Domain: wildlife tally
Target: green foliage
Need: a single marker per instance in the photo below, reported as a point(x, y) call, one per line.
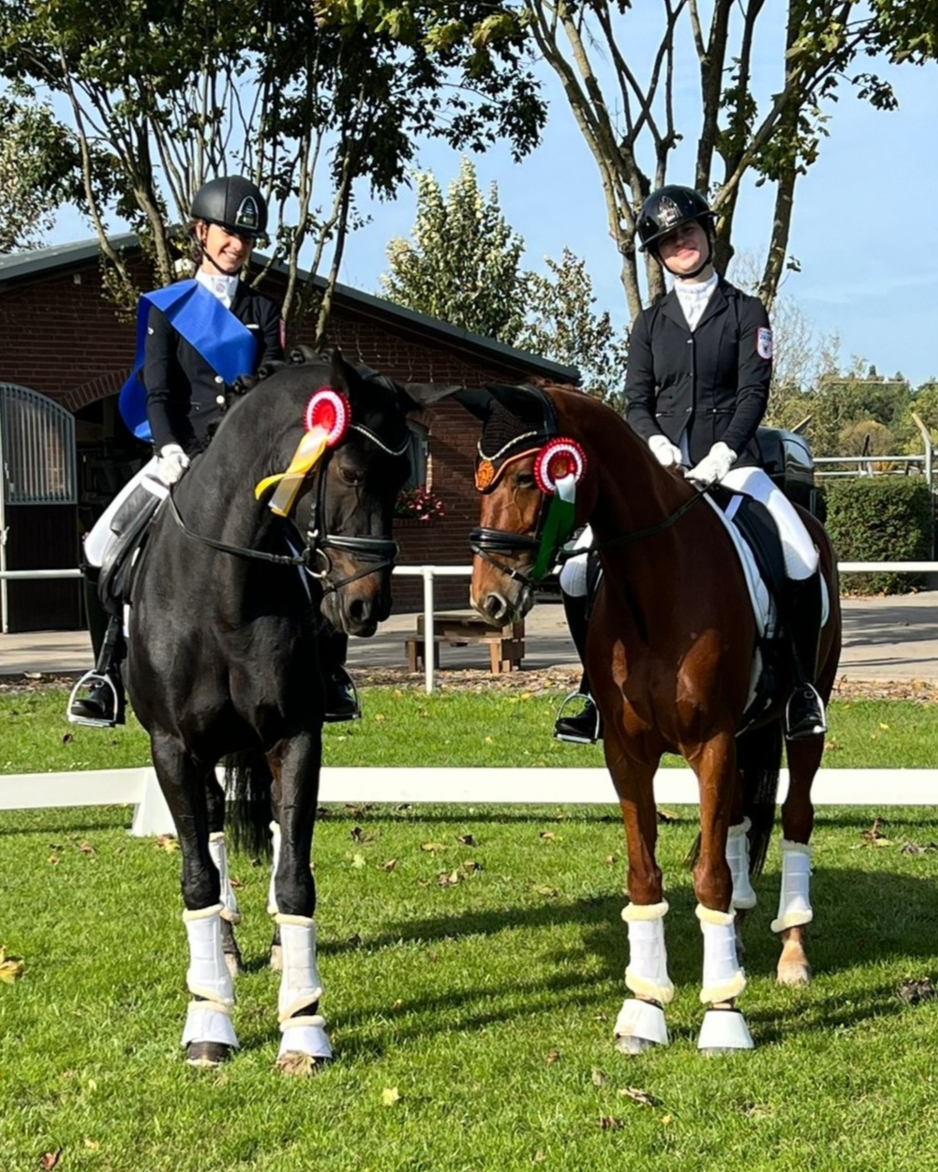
point(563, 324)
point(462, 264)
point(880, 519)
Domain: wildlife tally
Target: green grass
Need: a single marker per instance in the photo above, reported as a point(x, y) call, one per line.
point(407, 727)
point(486, 1004)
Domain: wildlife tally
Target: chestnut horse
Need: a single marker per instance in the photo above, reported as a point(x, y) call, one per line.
point(670, 655)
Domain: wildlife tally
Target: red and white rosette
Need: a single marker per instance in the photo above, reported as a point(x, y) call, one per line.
point(329, 410)
point(560, 465)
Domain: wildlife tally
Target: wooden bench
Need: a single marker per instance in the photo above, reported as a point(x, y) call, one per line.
point(459, 628)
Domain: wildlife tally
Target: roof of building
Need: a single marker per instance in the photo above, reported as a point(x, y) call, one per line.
point(41, 263)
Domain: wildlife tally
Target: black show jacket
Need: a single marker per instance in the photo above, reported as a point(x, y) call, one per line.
point(182, 388)
point(712, 383)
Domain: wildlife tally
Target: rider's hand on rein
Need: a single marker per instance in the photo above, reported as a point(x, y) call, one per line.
point(714, 466)
point(667, 454)
point(172, 463)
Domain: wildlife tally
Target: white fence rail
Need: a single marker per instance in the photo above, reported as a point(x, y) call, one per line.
point(139, 788)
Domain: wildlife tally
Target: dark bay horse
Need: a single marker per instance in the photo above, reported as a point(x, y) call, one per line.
point(670, 654)
point(284, 519)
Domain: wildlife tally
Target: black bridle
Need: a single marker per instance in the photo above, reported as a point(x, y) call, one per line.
point(487, 543)
point(378, 553)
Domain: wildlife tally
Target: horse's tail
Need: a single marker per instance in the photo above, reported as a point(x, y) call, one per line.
point(758, 759)
point(248, 809)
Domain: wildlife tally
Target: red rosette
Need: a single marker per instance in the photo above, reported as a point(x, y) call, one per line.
point(557, 460)
point(330, 410)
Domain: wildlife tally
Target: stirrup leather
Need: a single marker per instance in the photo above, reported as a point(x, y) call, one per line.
point(94, 679)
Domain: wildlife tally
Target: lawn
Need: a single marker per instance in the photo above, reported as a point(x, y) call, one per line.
point(473, 964)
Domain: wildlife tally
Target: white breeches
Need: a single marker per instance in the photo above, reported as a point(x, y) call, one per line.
point(573, 573)
point(101, 537)
point(801, 557)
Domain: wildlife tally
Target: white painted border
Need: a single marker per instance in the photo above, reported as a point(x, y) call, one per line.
point(467, 787)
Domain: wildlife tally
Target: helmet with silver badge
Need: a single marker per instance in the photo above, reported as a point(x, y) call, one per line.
point(234, 203)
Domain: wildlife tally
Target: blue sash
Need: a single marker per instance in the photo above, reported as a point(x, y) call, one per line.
point(225, 343)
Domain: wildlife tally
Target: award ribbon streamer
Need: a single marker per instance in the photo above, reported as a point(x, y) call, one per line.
point(561, 519)
point(308, 452)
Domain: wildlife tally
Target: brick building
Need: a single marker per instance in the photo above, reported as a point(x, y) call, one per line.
point(60, 336)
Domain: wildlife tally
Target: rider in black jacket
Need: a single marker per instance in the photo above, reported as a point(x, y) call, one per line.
point(697, 386)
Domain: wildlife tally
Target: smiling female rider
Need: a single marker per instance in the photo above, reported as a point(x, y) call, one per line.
point(181, 394)
point(697, 385)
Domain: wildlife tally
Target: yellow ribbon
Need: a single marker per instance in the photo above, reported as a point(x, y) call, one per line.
point(308, 451)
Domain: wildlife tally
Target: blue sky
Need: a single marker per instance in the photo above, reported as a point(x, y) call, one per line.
point(865, 228)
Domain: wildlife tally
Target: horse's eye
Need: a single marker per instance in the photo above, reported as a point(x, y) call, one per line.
point(353, 476)
point(523, 480)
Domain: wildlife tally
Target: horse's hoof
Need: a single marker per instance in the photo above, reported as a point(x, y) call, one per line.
point(640, 1026)
point(724, 1031)
point(794, 976)
point(207, 1053)
point(276, 958)
point(298, 1065)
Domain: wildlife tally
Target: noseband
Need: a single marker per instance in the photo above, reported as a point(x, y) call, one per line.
point(378, 553)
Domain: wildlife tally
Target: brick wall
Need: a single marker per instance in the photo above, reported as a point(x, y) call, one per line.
point(59, 335)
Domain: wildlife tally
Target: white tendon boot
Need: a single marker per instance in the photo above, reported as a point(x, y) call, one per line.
point(219, 853)
point(208, 978)
point(794, 900)
point(723, 980)
point(737, 859)
point(300, 987)
point(272, 889)
point(641, 1023)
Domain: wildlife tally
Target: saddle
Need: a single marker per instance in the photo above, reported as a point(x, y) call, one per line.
point(131, 525)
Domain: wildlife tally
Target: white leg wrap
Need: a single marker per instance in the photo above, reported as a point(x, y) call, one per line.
point(794, 899)
point(647, 971)
point(300, 985)
point(208, 975)
point(209, 1021)
point(723, 979)
point(219, 853)
point(305, 1035)
point(737, 858)
point(272, 890)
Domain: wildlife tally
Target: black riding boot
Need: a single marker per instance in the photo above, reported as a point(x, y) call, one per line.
point(583, 727)
point(102, 701)
point(804, 712)
point(341, 696)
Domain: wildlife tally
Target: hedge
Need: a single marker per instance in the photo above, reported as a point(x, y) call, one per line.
point(880, 519)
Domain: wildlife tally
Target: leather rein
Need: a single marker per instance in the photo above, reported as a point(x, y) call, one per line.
point(378, 553)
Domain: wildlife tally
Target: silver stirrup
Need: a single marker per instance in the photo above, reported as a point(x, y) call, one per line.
point(576, 740)
point(92, 679)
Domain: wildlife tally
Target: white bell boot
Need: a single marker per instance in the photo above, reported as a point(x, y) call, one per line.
point(724, 1029)
point(794, 898)
point(300, 988)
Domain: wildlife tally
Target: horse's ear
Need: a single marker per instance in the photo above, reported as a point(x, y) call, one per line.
point(477, 401)
point(343, 376)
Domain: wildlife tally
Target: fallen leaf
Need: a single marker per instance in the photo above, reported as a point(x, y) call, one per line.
point(358, 861)
point(912, 992)
point(470, 866)
point(91, 1144)
point(432, 847)
point(547, 835)
point(552, 1057)
point(354, 941)
point(360, 835)
point(50, 1159)
point(539, 1156)
point(466, 839)
point(597, 1077)
point(610, 1123)
point(86, 848)
point(550, 892)
point(637, 1096)
point(53, 859)
point(67, 739)
point(448, 878)
point(611, 860)
point(167, 842)
point(296, 1065)
point(390, 1096)
point(388, 866)
point(11, 967)
point(667, 815)
point(237, 884)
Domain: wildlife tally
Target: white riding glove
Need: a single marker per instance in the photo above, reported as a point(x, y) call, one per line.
point(714, 466)
point(667, 454)
point(172, 463)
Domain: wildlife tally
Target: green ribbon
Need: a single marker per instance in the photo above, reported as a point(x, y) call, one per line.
point(560, 523)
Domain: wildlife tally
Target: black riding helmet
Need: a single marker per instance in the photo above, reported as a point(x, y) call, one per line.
point(668, 208)
point(234, 203)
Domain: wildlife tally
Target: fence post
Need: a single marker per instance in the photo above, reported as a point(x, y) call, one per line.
point(429, 647)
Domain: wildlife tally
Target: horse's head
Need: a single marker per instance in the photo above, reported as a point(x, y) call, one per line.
point(343, 453)
point(530, 477)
